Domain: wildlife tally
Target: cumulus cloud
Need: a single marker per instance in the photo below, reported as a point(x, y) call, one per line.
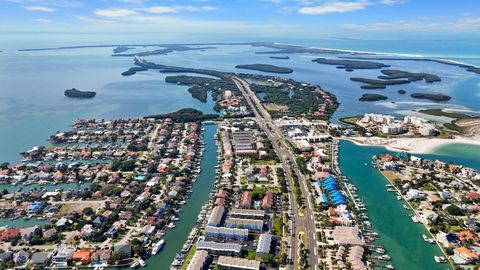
point(39, 8)
point(115, 12)
point(334, 7)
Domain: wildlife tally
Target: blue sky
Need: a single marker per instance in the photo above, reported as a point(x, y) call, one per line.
point(247, 19)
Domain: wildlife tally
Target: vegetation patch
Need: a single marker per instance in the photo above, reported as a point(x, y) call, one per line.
point(372, 97)
point(350, 64)
point(266, 68)
point(437, 97)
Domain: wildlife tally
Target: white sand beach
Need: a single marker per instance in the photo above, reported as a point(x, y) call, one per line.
point(412, 145)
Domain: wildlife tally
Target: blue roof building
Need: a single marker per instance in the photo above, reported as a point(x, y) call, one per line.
point(35, 207)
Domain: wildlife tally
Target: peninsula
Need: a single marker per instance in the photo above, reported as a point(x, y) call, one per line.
point(74, 93)
point(266, 68)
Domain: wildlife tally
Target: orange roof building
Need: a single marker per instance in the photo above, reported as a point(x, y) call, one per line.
point(82, 255)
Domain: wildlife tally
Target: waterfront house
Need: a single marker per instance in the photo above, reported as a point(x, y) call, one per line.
point(9, 234)
point(343, 235)
point(449, 240)
point(82, 256)
point(216, 216)
point(40, 259)
point(124, 250)
point(414, 194)
point(101, 257)
point(463, 255)
point(429, 216)
point(62, 257)
point(198, 261)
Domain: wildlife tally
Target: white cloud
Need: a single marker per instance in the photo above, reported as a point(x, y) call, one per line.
point(49, 3)
point(334, 7)
point(91, 20)
point(175, 9)
point(393, 2)
point(467, 24)
point(42, 20)
point(39, 8)
point(115, 12)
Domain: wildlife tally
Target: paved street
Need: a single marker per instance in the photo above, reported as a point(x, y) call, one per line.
point(302, 217)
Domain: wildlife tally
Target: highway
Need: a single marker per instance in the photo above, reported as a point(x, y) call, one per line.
point(303, 218)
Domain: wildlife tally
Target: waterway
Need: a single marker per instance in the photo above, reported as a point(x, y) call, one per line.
point(174, 239)
point(401, 237)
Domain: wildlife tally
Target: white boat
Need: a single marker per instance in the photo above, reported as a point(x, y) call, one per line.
point(157, 247)
point(385, 257)
point(171, 225)
point(142, 262)
point(429, 240)
point(380, 250)
point(389, 266)
point(134, 264)
point(406, 207)
point(439, 259)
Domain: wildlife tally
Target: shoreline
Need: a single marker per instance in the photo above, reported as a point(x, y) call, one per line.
point(392, 183)
point(411, 145)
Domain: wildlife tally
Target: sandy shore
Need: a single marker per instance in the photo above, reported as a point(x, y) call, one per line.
point(412, 145)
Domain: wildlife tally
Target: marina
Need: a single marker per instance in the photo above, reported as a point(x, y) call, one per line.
point(398, 234)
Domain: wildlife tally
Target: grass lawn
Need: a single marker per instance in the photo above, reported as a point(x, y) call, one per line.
point(189, 257)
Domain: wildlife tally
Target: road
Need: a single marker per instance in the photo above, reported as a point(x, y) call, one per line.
point(303, 218)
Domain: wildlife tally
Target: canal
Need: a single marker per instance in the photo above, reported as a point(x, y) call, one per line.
point(175, 238)
point(401, 237)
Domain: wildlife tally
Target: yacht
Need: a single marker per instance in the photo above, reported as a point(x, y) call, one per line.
point(157, 247)
point(142, 262)
point(439, 259)
point(389, 266)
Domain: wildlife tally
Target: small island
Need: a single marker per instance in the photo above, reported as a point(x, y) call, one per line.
point(393, 74)
point(280, 57)
point(350, 65)
point(372, 97)
point(266, 68)
point(402, 92)
point(434, 97)
point(74, 93)
point(377, 84)
point(133, 70)
point(121, 49)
